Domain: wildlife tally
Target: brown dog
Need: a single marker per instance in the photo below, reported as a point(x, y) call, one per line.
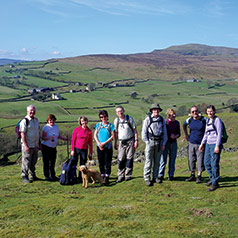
point(89, 173)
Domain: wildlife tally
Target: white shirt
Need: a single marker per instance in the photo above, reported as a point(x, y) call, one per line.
point(51, 131)
point(32, 131)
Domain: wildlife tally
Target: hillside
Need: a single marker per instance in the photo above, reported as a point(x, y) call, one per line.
point(9, 61)
point(173, 63)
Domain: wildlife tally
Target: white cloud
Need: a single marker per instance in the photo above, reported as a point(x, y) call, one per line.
point(6, 54)
point(217, 8)
point(24, 51)
point(56, 52)
point(63, 8)
point(155, 7)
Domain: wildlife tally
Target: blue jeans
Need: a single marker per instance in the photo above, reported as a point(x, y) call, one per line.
point(211, 161)
point(171, 149)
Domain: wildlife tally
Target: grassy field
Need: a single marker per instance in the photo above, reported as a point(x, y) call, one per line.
point(129, 209)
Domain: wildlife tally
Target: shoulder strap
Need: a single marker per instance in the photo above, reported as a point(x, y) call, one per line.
point(189, 120)
point(108, 127)
point(213, 123)
point(27, 121)
point(99, 127)
point(117, 123)
point(129, 123)
point(151, 121)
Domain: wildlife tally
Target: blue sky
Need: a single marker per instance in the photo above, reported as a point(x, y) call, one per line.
point(44, 29)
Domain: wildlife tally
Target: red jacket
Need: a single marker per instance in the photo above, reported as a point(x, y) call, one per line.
point(82, 138)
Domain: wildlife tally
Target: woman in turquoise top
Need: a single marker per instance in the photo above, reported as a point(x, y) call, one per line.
point(104, 133)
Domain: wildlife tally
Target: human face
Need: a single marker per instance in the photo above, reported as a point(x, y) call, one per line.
point(155, 112)
point(210, 113)
point(172, 116)
point(51, 122)
point(194, 112)
point(31, 112)
point(103, 118)
point(83, 123)
point(120, 112)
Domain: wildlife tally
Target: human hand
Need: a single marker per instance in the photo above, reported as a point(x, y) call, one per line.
point(217, 149)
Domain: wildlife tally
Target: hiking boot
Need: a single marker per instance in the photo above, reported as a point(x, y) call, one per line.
point(159, 180)
point(120, 179)
point(55, 178)
point(209, 183)
point(148, 183)
point(103, 180)
point(199, 179)
point(25, 180)
point(106, 180)
point(213, 188)
point(171, 178)
point(33, 178)
point(191, 178)
point(48, 179)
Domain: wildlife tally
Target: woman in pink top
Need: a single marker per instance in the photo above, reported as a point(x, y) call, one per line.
point(81, 140)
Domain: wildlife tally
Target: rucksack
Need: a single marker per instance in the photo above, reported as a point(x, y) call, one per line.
point(224, 136)
point(158, 121)
point(108, 128)
point(17, 129)
point(190, 119)
point(68, 172)
point(126, 120)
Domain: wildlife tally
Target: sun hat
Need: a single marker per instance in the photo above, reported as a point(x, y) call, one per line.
point(155, 106)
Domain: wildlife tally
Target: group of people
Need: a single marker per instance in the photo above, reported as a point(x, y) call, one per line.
point(160, 136)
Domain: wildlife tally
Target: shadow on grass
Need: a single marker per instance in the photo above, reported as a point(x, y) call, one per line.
point(225, 181)
point(228, 182)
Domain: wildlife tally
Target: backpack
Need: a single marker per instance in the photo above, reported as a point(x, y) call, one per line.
point(126, 120)
point(190, 119)
point(224, 136)
point(68, 172)
point(151, 122)
point(108, 128)
point(17, 129)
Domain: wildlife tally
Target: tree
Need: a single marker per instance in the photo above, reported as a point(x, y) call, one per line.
point(233, 103)
point(182, 111)
point(133, 94)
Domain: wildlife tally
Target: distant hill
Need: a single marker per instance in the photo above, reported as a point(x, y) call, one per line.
point(176, 62)
point(9, 61)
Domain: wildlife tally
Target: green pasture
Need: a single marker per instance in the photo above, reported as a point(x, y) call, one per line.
point(7, 93)
point(40, 82)
point(129, 209)
point(11, 112)
point(167, 93)
point(81, 73)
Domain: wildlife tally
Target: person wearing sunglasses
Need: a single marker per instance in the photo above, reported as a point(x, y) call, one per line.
point(197, 125)
point(104, 134)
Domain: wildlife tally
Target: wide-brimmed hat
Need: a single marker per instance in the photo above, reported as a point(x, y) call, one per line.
point(155, 106)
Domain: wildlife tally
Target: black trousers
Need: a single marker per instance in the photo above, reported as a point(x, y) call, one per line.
point(49, 158)
point(105, 160)
point(82, 155)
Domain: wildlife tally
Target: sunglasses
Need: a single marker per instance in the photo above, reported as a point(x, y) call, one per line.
point(194, 111)
point(103, 117)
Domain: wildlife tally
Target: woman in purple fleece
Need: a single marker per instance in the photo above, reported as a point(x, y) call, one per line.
point(212, 139)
